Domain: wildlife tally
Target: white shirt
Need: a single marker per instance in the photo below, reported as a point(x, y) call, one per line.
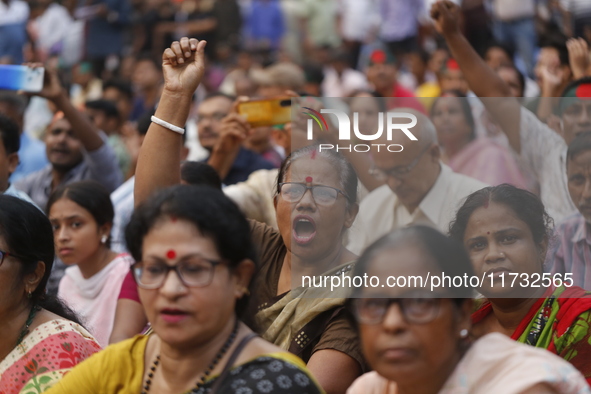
point(381, 211)
point(495, 364)
point(254, 196)
point(95, 298)
point(358, 18)
point(15, 12)
point(544, 152)
point(52, 26)
point(350, 81)
point(509, 10)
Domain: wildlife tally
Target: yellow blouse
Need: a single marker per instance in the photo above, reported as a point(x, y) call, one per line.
point(119, 369)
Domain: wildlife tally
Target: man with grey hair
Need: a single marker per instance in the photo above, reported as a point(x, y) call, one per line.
point(418, 189)
point(32, 151)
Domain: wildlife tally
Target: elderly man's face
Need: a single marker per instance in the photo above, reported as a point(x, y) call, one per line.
point(422, 160)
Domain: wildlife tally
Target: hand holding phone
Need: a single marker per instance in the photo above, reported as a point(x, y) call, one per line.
point(26, 78)
point(270, 112)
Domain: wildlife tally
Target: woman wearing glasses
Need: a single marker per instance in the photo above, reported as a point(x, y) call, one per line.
point(315, 204)
point(195, 263)
point(41, 339)
point(506, 231)
point(417, 340)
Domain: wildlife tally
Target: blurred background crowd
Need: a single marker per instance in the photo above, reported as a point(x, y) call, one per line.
point(111, 50)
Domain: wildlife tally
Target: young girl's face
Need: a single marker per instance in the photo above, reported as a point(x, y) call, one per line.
point(75, 232)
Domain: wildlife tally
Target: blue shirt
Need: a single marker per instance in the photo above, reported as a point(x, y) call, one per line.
point(265, 22)
point(32, 157)
point(12, 191)
point(246, 163)
point(106, 36)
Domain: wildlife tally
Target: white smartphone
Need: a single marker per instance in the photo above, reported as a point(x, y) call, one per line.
point(15, 77)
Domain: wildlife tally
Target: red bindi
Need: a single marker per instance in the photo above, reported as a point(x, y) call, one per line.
point(171, 254)
point(309, 179)
point(173, 219)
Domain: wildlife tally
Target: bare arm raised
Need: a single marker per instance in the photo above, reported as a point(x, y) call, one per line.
point(160, 159)
point(82, 127)
point(483, 81)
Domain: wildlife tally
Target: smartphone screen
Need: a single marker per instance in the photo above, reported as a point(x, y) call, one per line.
point(16, 77)
point(266, 112)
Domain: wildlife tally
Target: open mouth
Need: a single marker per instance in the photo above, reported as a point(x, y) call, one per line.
point(304, 229)
point(496, 272)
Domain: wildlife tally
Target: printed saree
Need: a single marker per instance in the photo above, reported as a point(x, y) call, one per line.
point(45, 356)
point(560, 322)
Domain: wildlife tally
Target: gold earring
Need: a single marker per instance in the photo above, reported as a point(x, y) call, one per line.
point(29, 294)
point(246, 292)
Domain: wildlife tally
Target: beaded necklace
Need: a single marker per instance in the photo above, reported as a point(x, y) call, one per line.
point(212, 365)
point(28, 323)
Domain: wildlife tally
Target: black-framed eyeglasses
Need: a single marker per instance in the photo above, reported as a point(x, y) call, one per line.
point(323, 195)
point(193, 272)
point(419, 310)
point(4, 254)
point(398, 171)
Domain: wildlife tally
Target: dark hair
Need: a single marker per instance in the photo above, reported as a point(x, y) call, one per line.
point(211, 212)
point(105, 106)
point(198, 173)
point(340, 56)
point(581, 143)
point(466, 109)
point(527, 206)
point(215, 94)
point(447, 254)
point(344, 169)
point(144, 122)
point(494, 44)
point(122, 86)
point(17, 101)
point(313, 73)
point(91, 196)
point(381, 101)
point(520, 76)
point(29, 235)
point(10, 135)
point(558, 42)
point(146, 57)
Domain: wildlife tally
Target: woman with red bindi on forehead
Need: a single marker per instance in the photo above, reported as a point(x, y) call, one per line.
point(506, 231)
point(315, 202)
point(194, 267)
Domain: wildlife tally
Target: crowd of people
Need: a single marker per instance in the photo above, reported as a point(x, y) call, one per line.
point(136, 159)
